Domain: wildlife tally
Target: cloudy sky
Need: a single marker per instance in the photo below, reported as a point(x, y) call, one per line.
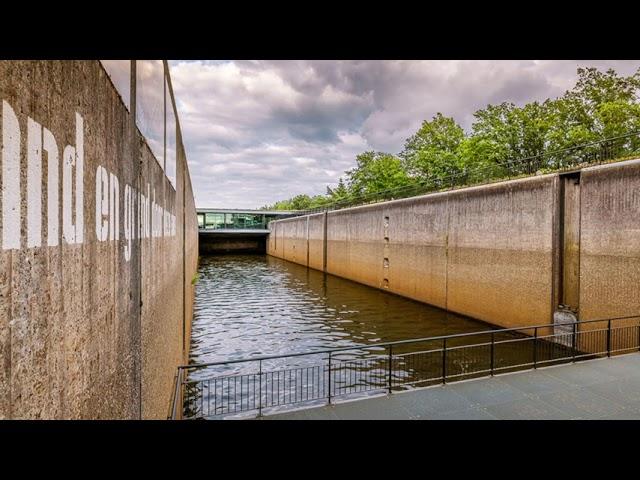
point(260, 131)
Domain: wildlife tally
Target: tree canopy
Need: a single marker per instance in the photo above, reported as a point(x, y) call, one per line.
point(600, 105)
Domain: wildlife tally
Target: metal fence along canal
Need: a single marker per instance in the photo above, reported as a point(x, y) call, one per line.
point(321, 376)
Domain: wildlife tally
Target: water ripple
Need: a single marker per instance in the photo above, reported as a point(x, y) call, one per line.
point(252, 305)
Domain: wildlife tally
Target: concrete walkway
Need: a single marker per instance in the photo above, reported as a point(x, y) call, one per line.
point(596, 389)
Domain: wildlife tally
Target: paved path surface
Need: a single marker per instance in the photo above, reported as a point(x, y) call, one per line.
point(596, 389)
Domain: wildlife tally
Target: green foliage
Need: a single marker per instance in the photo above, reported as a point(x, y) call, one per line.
point(341, 192)
point(433, 150)
point(299, 202)
point(376, 172)
point(600, 105)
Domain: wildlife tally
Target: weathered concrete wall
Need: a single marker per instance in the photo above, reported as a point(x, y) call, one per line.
point(316, 244)
point(74, 266)
point(275, 240)
point(417, 252)
point(190, 266)
point(499, 264)
point(610, 241)
point(502, 253)
point(295, 248)
point(355, 246)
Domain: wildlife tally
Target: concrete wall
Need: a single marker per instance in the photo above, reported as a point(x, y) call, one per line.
point(610, 241)
point(492, 252)
point(317, 241)
point(500, 260)
point(93, 313)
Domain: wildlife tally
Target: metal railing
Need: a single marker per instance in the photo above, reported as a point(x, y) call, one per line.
point(558, 160)
point(256, 384)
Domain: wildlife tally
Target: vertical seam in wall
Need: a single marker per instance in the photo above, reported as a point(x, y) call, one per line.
point(446, 257)
point(560, 238)
point(61, 303)
point(135, 153)
point(83, 250)
point(308, 241)
point(579, 238)
point(9, 318)
point(184, 259)
point(555, 221)
point(325, 235)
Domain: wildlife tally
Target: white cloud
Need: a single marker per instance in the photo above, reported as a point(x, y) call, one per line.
point(260, 131)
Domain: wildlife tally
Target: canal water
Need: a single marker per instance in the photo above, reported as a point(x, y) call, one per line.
point(251, 305)
point(256, 305)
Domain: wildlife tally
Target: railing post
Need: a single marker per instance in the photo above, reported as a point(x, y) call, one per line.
point(493, 343)
point(444, 361)
point(574, 343)
point(609, 338)
point(181, 395)
point(174, 414)
point(260, 390)
point(535, 348)
point(390, 363)
point(329, 389)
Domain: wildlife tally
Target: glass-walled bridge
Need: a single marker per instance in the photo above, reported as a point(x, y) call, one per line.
point(235, 231)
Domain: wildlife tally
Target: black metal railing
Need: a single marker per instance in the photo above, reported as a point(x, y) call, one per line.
point(605, 150)
point(267, 382)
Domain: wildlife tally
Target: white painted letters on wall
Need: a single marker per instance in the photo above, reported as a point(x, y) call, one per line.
point(114, 207)
point(102, 203)
point(10, 178)
point(73, 167)
point(154, 220)
point(68, 161)
point(79, 227)
point(50, 146)
point(34, 183)
point(128, 220)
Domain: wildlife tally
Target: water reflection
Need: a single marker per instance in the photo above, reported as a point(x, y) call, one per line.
point(249, 306)
point(259, 305)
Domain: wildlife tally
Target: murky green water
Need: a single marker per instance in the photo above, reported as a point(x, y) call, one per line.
point(254, 305)
point(250, 306)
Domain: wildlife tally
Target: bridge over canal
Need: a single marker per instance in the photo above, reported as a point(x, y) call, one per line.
point(235, 231)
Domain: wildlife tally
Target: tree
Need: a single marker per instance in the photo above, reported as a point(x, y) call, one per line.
point(341, 192)
point(508, 133)
point(376, 172)
point(319, 201)
point(480, 159)
point(600, 105)
point(432, 152)
point(299, 202)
